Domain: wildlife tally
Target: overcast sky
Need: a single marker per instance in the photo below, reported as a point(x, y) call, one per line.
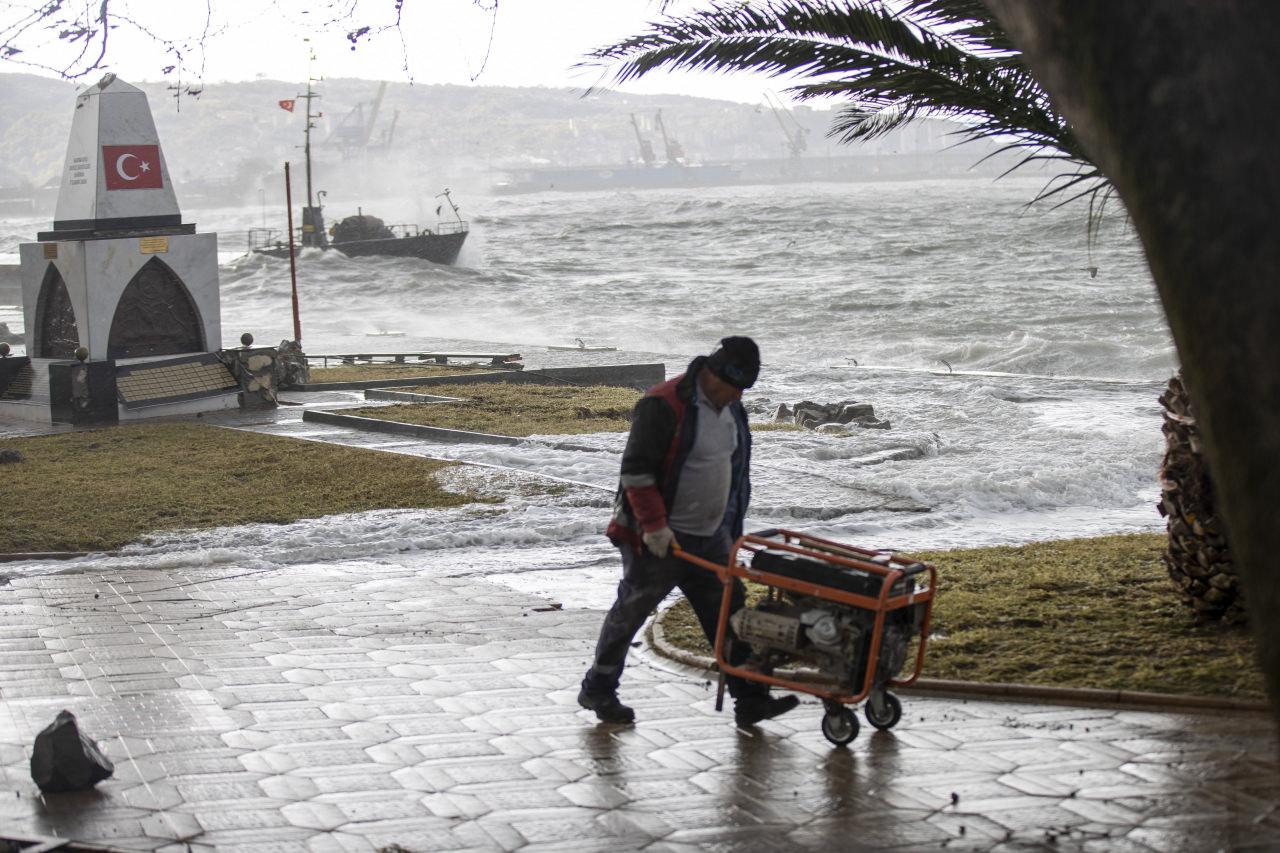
point(534, 42)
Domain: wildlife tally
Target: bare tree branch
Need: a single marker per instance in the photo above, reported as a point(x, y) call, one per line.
point(72, 38)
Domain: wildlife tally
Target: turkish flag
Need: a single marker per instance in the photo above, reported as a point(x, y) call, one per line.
point(286, 105)
point(132, 167)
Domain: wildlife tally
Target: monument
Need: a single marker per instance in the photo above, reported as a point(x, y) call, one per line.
point(120, 299)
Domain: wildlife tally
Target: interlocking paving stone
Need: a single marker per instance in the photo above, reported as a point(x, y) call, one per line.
point(341, 708)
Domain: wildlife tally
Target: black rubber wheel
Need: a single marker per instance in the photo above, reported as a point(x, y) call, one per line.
point(840, 726)
point(892, 713)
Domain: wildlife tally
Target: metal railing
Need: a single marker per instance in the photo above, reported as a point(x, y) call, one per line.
point(495, 359)
point(264, 238)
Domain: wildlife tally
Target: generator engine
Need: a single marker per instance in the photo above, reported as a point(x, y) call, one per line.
point(833, 638)
point(825, 607)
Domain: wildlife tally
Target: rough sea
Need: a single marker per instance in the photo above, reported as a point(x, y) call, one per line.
point(1021, 386)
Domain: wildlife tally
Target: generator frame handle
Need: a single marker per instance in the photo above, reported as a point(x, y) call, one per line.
point(827, 551)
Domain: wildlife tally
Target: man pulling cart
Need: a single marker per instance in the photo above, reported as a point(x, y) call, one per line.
point(848, 614)
point(685, 481)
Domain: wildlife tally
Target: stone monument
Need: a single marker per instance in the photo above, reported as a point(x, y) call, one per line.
point(120, 298)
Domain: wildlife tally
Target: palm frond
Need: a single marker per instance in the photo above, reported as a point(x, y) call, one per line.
point(893, 64)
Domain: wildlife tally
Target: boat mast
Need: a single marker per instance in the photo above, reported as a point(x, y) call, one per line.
point(313, 231)
point(306, 137)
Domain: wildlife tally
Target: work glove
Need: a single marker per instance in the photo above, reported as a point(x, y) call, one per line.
point(659, 541)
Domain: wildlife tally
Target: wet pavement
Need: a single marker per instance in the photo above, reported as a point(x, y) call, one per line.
point(350, 705)
point(341, 708)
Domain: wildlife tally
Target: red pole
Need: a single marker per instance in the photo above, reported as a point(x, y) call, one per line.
point(293, 263)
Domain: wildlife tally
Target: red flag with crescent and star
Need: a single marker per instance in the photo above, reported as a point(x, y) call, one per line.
point(132, 167)
point(286, 105)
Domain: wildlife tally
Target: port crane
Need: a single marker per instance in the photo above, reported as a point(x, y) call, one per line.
point(795, 133)
point(675, 154)
point(646, 149)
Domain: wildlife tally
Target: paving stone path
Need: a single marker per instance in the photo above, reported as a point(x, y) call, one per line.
point(348, 706)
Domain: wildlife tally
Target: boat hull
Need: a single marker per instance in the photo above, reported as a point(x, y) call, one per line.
point(437, 248)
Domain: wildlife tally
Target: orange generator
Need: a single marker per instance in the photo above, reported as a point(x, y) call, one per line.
point(837, 622)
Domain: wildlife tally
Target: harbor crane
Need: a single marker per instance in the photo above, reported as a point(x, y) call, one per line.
point(675, 154)
point(646, 149)
point(795, 133)
point(355, 133)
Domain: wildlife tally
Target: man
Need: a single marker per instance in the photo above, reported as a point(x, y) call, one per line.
point(685, 481)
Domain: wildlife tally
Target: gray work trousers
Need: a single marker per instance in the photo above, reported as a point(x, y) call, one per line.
point(646, 581)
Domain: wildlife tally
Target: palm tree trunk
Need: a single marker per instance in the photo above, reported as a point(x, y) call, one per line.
point(1177, 103)
point(1198, 555)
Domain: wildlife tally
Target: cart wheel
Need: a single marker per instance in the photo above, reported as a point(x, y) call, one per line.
point(892, 713)
point(840, 725)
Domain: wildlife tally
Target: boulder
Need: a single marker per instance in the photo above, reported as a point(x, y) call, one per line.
point(7, 456)
point(65, 759)
point(811, 415)
point(782, 414)
point(850, 412)
point(291, 366)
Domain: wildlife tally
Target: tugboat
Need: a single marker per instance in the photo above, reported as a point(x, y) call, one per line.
point(361, 235)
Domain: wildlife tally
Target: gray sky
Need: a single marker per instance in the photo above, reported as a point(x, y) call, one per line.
point(535, 42)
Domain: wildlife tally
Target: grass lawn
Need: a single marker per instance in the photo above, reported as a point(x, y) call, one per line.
point(777, 426)
point(1077, 613)
point(518, 410)
point(104, 488)
point(377, 371)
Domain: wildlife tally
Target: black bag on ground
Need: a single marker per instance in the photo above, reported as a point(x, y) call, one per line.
point(65, 759)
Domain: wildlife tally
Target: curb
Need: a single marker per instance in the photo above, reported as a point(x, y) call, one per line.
point(1091, 696)
point(47, 555)
point(455, 436)
point(408, 396)
point(638, 376)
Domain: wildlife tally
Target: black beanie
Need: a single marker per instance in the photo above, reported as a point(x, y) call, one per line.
point(736, 361)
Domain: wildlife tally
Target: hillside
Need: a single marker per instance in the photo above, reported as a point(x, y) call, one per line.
point(235, 134)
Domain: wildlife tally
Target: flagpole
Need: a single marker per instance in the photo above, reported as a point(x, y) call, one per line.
point(293, 263)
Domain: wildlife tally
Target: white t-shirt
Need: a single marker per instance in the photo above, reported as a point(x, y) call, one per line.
point(707, 475)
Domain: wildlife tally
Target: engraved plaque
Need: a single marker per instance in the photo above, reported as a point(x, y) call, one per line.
point(56, 332)
point(155, 316)
point(50, 251)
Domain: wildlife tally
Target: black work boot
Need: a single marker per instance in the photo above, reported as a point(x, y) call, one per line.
point(749, 710)
point(607, 707)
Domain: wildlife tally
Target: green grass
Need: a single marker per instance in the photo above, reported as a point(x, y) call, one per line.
point(104, 488)
point(1078, 613)
point(776, 426)
point(376, 371)
point(518, 410)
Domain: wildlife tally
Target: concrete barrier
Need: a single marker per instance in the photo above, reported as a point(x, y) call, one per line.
point(638, 376)
point(453, 436)
point(407, 397)
point(399, 428)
